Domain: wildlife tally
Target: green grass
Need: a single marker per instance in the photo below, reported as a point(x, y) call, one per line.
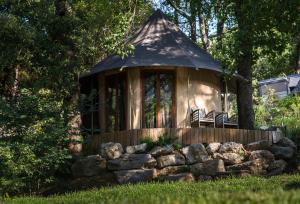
point(283, 189)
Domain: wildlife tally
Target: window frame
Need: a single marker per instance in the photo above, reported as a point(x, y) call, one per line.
point(116, 76)
point(157, 90)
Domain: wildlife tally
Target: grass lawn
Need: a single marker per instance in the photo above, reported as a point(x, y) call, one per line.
point(281, 189)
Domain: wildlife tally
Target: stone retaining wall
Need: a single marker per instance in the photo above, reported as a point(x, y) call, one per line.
point(196, 162)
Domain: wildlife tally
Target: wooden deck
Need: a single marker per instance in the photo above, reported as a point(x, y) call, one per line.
point(187, 136)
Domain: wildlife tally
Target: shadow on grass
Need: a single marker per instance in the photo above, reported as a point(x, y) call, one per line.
point(293, 185)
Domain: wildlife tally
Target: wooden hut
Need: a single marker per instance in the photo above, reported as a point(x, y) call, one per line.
point(154, 90)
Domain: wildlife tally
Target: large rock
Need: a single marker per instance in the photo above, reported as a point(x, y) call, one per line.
point(134, 176)
point(258, 145)
point(170, 160)
point(89, 166)
point(213, 147)
point(173, 170)
point(132, 161)
point(111, 150)
point(160, 151)
point(257, 166)
point(195, 153)
point(229, 158)
point(282, 152)
point(141, 148)
point(231, 147)
point(286, 142)
point(210, 167)
point(277, 167)
point(179, 177)
point(262, 154)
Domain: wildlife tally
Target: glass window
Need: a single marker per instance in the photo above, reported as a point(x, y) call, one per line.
point(116, 102)
point(158, 100)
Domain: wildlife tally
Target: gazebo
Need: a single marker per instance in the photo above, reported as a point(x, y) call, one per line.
point(153, 91)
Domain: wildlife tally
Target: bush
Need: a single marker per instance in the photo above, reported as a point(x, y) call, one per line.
point(34, 149)
point(162, 141)
point(284, 112)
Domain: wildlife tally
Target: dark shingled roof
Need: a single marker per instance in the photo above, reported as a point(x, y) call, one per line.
point(160, 43)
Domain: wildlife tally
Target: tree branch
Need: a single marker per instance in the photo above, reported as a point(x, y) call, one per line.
point(180, 11)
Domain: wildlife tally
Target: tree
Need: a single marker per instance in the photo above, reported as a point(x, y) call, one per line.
point(45, 46)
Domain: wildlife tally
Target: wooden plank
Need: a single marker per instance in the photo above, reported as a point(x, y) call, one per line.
point(217, 135)
point(236, 137)
point(194, 139)
point(124, 138)
point(205, 135)
point(197, 135)
point(242, 136)
point(251, 136)
point(184, 136)
point(173, 134)
point(211, 136)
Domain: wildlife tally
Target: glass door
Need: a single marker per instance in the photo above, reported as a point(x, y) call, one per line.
point(158, 100)
point(116, 102)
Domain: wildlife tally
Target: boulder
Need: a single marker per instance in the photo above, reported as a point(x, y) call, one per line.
point(132, 161)
point(141, 148)
point(204, 178)
point(257, 166)
point(210, 167)
point(231, 147)
point(282, 152)
point(262, 154)
point(170, 160)
point(286, 142)
point(173, 170)
point(111, 150)
point(213, 147)
point(195, 153)
point(258, 145)
point(179, 177)
point(229, 158)
point(160, 151)
point(135, 176)
point(89, 166)
point(277, 167)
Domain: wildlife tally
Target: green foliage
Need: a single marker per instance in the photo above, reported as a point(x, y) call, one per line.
point(45, 46)
point(162, 141)
point(285, 112)
point(36, 146)
point(250, 190)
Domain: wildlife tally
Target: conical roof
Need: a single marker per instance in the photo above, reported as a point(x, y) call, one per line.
point(160, 43)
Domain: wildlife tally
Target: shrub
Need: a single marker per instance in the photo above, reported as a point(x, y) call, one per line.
point(162, 141)
point(35, 149)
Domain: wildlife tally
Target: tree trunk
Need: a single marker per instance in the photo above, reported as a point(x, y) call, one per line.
point(15, 88)
point(220, 32)
point(220, 23)
point(204, 31)
point(72, 116)
point(193, 30)
point(177, 3)
point(298, 57)
point(244, 64)
point(192, 22)
point(244, 93)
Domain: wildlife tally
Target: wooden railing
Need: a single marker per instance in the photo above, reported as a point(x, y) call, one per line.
point(186, 136)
